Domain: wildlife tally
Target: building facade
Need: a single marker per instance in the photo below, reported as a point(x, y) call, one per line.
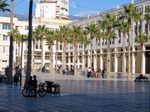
point(22, 26)
point(98, 51)
point(52, 9)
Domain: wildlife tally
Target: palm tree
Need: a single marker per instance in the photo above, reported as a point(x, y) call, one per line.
point(75, 36)
point(122, 27)
point(107, 24)
point(92, 30)
point(64, 34)
point(28, 72)
point(17, 38)
point(130, 14)
point(141, 38)
point(3, 5)
point(34, 39)
point(41, 32)
point(57, 35)
point(84, 40)
point(50, 42)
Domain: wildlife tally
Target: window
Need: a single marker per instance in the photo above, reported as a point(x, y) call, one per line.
point(5, 27)
point(5, 37)
point(4, 61)
point(26, 27)
point(3, 49)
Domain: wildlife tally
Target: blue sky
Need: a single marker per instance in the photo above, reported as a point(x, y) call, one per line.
point(77, 7)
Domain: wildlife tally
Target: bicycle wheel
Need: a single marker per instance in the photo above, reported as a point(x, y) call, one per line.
point(27, 92)
point(41, 92)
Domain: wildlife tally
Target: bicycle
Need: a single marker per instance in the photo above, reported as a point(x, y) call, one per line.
point(29, 91)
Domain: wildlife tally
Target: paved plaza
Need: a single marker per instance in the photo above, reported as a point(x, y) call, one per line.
point(79, 94)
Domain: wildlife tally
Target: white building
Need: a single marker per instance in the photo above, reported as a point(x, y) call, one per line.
point(23, 29)
point(54, 9)
point(99, 52)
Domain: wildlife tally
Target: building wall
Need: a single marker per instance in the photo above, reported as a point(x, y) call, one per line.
point(54, 9)
point(117, 43)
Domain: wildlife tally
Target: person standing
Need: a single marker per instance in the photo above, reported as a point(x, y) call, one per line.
point(16, 79)
point(103, 73)
point(89, 72)
point(7, 71)
point(34, 85)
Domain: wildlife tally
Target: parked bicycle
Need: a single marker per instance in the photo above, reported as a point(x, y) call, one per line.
point(29, 91)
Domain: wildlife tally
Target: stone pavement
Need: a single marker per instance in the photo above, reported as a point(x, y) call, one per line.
point(79, 94)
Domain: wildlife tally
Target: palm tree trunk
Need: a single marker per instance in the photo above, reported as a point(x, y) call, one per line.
point(108, 58)
point(96, 54)
point(142, 61)
point(50, 60)
point(64, 57)
point(124, 56)
point(91, 56)
point(18, 53)
point(75, 59)
point(33, 55)
point(42, 53)
point(9, 80)
point(28, 72)
point(129, 58)
point(56, 55)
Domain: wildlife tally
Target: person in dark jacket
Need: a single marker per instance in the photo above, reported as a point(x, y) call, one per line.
point(16, 79)
point(34, 85)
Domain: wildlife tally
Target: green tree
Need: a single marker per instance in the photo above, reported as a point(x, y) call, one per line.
point(64, 34)
point(92, 30)
point(3, 5)
point(84, 40)
point(122, 27)
point(57, 35)
point(41, 34)
point(50, 42)
point(75, 36)
point(34, 39)
point(17, 38)
point(142, 38)
point(130, 14)
point(107, 24)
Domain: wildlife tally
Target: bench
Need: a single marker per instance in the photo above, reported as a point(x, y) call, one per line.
point(141, 77)
point(51, 87)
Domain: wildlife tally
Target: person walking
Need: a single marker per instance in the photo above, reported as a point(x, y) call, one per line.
point(103, 73)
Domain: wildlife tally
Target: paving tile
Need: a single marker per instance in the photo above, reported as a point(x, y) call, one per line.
point(80, 95)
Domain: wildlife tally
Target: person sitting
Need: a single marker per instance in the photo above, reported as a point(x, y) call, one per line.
point(141, 77)
point(119, 75)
